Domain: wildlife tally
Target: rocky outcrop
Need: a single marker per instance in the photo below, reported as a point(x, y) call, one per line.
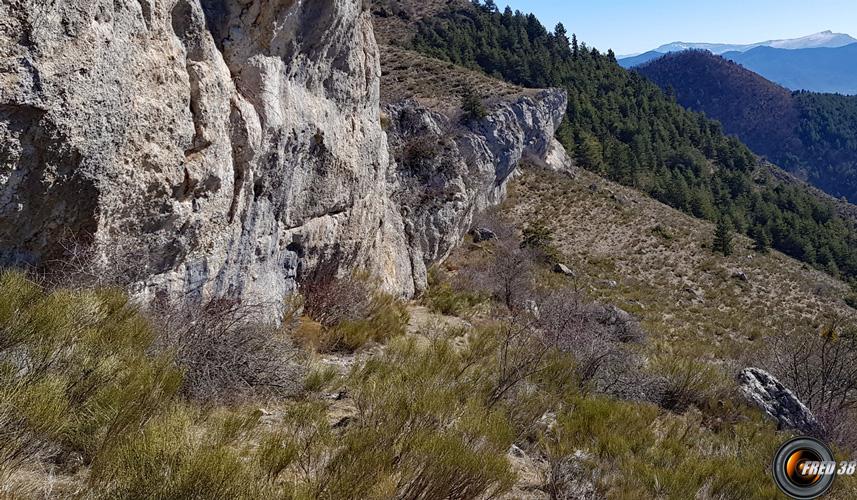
point(228, 147)
point(446, 171)
point(765, 391)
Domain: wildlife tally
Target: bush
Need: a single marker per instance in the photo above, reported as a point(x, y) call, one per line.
point(74, 371)
point(444, 298)
point(422, 430)
point(685, 383)
point(225, 352)
point(653, 455)
point(344, 314)
point(539, 238)
point(172, 458)
point(820, 368)
point(472, 107)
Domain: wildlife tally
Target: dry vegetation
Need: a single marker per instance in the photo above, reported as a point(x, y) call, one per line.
point(394, 19)
point(436, 84)
point(655, 262)
point(537, 391)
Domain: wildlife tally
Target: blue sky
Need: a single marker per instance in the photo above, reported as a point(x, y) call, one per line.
point(629, 26)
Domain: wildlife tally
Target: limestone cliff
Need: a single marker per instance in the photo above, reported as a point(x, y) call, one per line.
point(228, 147)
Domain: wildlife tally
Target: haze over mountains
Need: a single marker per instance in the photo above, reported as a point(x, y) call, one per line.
point(822, 62)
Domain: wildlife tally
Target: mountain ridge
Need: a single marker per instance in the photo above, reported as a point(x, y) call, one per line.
point(822, 39)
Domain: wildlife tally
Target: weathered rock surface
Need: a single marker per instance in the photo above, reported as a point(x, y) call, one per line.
point(231, 147)
point(765, 391)
point(447, 172)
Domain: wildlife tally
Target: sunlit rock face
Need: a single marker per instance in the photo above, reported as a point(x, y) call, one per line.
point(224, 148)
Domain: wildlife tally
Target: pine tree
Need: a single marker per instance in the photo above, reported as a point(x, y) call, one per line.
point(575, 48)
point(723, 236)
point(472, 106)
point(761, 239)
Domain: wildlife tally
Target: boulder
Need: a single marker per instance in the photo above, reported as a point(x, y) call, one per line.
point(740, 276)
point(776, 400)
point(563, 269)
point(481, 234)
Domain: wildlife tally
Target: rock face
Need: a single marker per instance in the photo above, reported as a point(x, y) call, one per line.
point(227, 147)
point(446, 172)
point(765, 391)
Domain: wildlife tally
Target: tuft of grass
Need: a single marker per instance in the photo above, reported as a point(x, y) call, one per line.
point(173, 458)
point(75, 374)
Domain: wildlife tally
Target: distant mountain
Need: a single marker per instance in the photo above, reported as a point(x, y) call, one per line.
point(633, 61)
point(816, 40)
point(818, 70)
point(825, 39)
point(812, 135)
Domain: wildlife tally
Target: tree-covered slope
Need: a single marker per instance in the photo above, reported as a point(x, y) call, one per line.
point(812, 135)
point(624, 127)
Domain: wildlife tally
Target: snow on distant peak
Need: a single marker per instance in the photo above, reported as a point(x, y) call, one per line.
point(824, 39)
point(827, 39)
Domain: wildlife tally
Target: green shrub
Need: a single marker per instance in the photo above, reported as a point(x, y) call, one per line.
point(539, 238)
point(74, 372)
point(687, 383)
point(172, 458)
point(422, 430)
point(441, 297)
point(663, 233)
point(653, 455)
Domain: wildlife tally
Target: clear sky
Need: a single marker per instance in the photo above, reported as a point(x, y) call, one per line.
point(629, 26)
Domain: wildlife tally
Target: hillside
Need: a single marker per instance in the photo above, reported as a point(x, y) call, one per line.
point(252, 251)
point(622, 126)
point(763, 114)
point(811, 135)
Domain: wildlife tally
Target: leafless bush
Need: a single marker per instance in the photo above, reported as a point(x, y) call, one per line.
point(821, 369)
point(348, 312)
point(330, 300)
point(536, 321)
point(225, 352)
point(507, 276)
point(81, 264)
point(597, 336)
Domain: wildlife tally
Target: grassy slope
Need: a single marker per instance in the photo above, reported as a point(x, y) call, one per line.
point(685, 293)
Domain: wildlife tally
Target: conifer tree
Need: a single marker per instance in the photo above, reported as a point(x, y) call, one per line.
point(472, 106)
point(723, 236)
point(761, 239)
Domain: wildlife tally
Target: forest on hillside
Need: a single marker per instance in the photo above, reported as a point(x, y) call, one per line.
point(812, 135)
point(828, 134)
point(624, 127)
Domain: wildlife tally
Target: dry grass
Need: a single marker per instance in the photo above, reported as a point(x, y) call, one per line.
point(652, 261)
point(438, 85)
point(395, 19)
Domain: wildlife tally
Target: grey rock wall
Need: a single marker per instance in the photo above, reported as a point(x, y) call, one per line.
point(229, 147)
